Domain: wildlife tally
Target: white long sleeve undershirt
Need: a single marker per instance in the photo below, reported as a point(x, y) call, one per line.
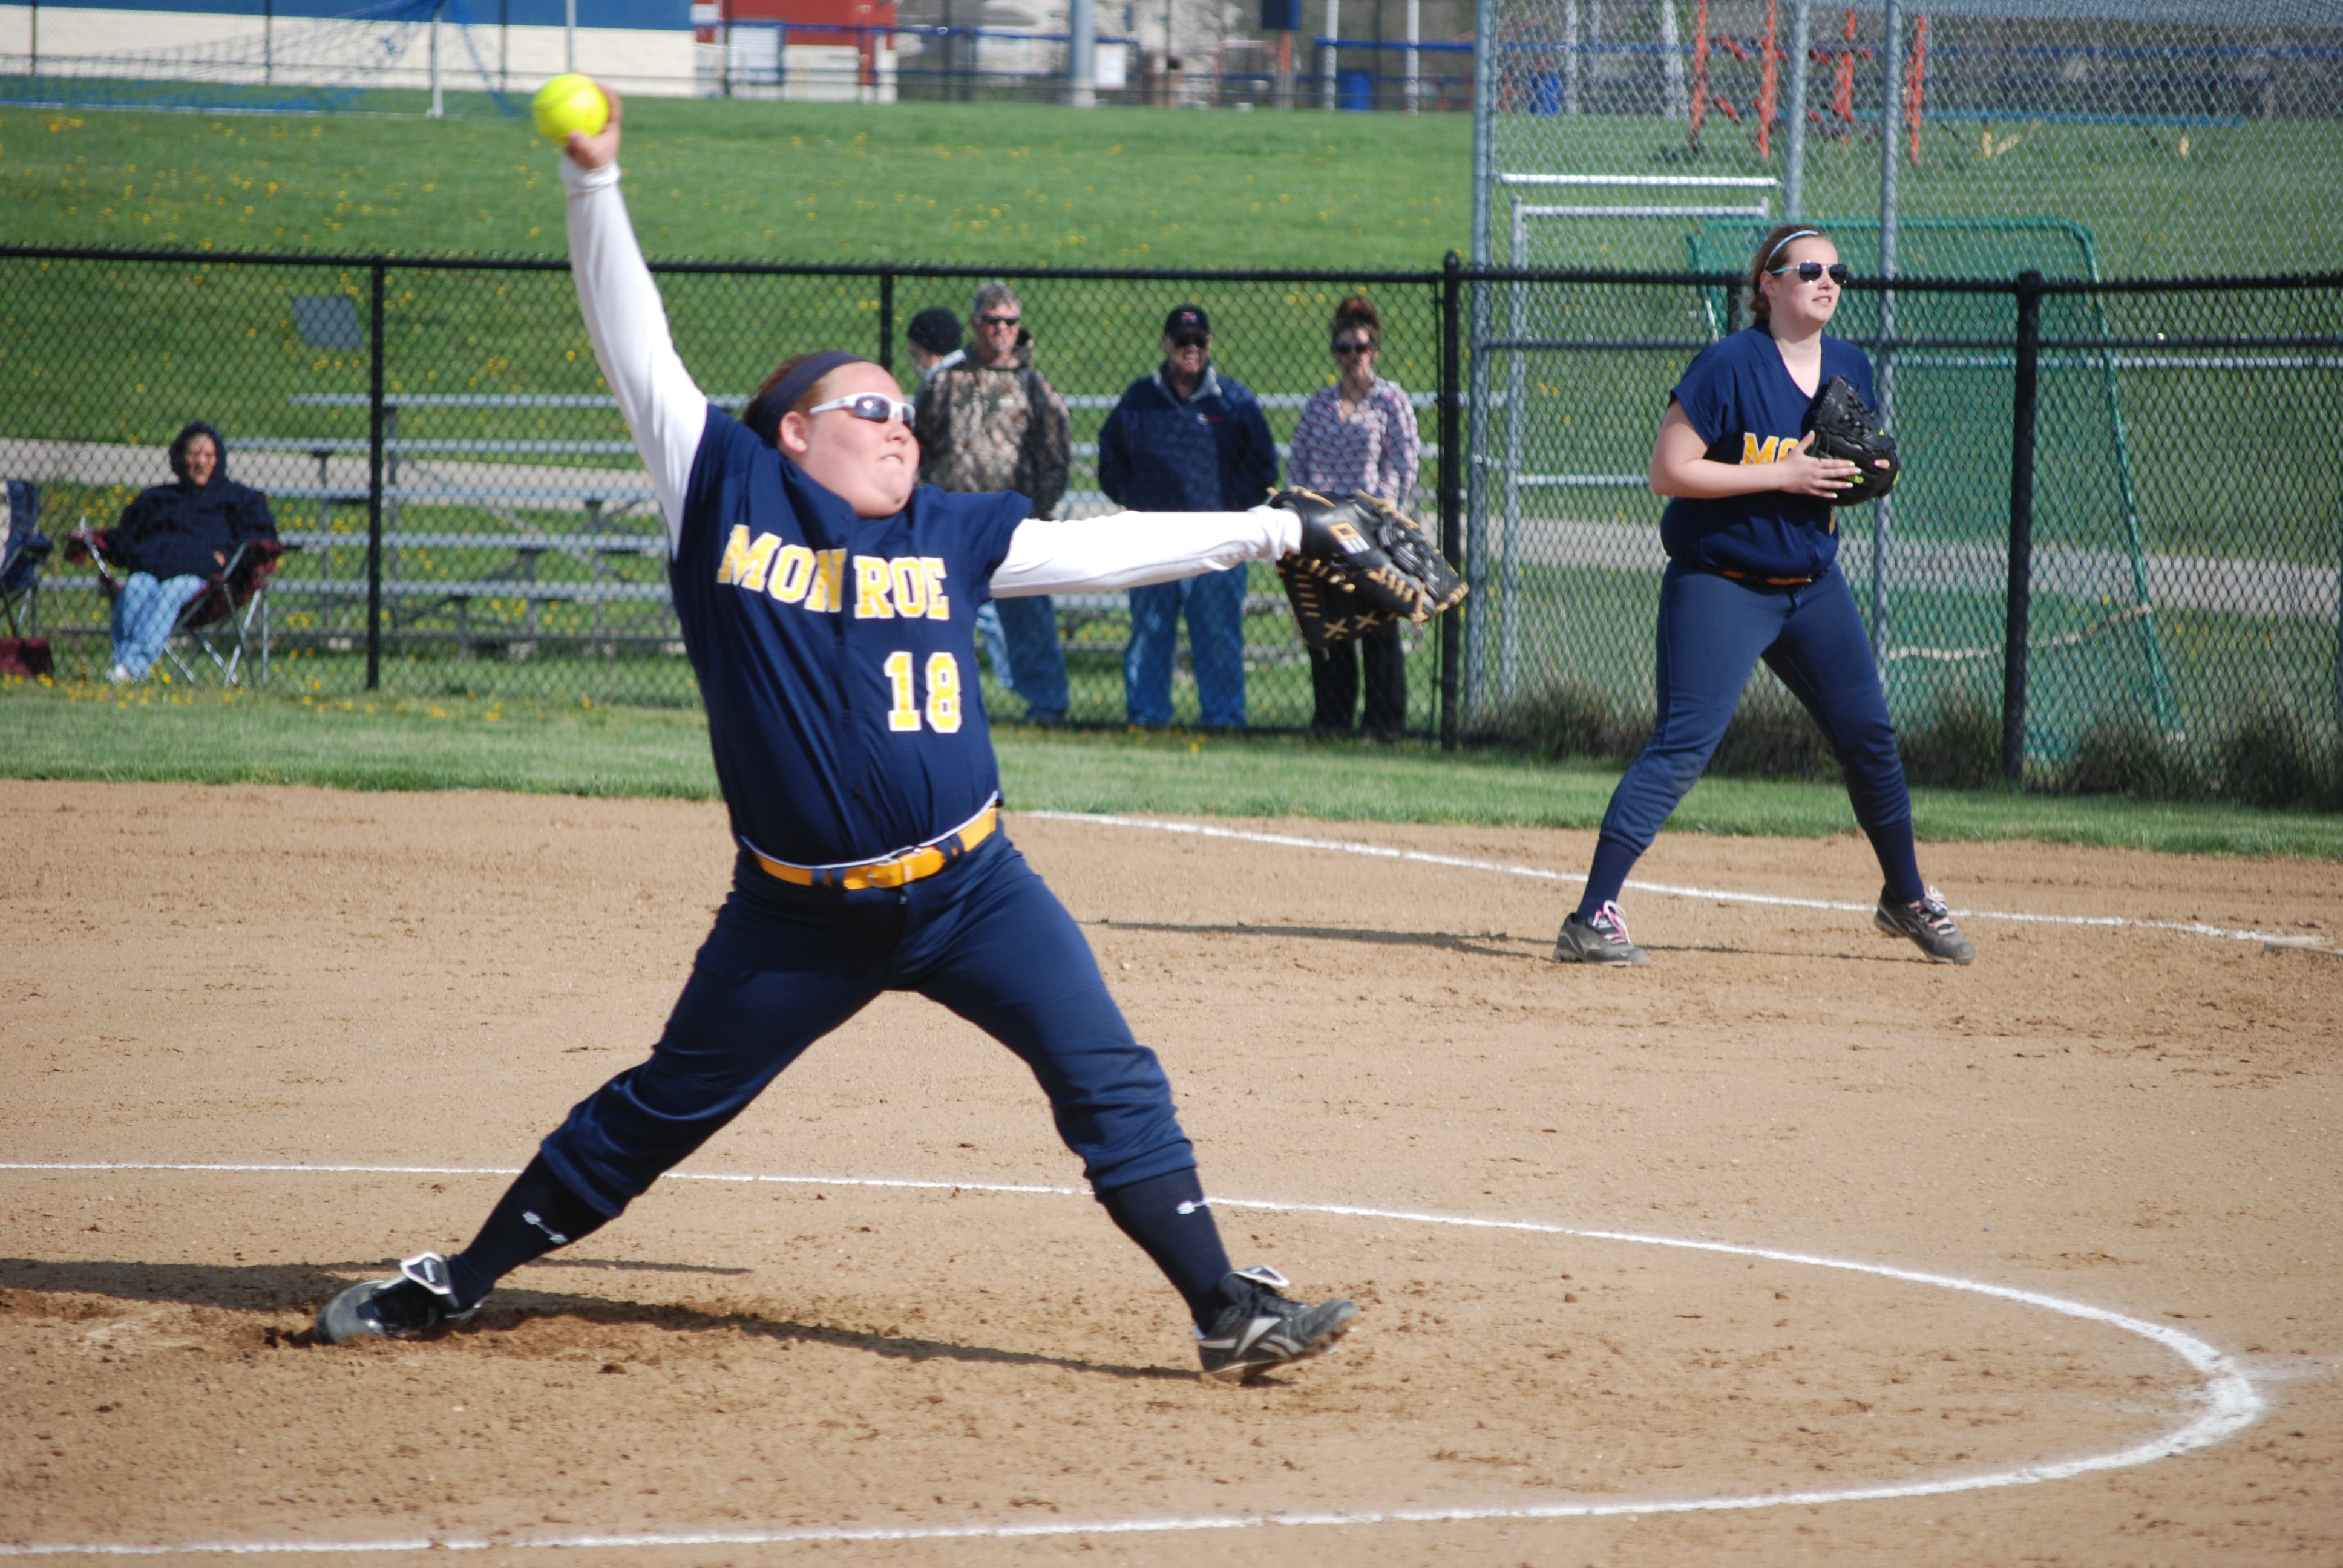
point(664, 408)
point(667, 413)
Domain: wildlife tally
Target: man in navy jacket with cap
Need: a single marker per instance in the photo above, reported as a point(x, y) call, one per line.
point(1187, 438)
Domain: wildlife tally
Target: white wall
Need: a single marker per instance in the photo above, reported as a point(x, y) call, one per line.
point(166, 44)
point(807, 73)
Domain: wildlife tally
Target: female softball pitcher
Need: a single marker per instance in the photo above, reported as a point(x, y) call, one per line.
point(829, 604)
point(1752, 547)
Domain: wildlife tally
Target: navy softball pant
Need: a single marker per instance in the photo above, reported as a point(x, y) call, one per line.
point(786, 965)
point(1712, 631)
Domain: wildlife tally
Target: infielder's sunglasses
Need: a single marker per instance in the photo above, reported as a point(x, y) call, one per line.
point(875, 407)
point(1810, 271)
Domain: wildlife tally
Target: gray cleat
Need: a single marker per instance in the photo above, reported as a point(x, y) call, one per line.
point(420, 1302)
point(1260, 1328)
point(1928, 925)
point(1601, 941)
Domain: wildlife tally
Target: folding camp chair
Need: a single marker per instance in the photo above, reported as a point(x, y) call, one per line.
point(21, 652)
point(235, 601)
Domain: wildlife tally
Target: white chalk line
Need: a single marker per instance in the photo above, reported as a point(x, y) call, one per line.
point(1384, 852)
point(2231, 1402)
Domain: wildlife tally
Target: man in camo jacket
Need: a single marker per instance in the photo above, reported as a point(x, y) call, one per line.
point(992, 423)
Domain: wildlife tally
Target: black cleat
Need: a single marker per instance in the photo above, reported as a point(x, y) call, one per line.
point(417, 1304)
point(1261, 1328)
point(1928, 924)
point(1601, 941)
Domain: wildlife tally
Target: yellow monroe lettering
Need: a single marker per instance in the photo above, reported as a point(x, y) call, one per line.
point(885, 587)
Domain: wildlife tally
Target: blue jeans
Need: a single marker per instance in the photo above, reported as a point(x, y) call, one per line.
point(1711, 632)
point(1022, 636)
point(143, 614)
point(786, 965)
point(1215, 607)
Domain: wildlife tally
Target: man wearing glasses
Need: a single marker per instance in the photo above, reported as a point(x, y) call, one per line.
point(1187, 438)
point(993, 423)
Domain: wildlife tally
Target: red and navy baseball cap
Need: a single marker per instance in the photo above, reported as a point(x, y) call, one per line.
point(1186, 318)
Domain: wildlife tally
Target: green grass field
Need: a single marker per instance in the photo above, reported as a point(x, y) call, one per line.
point(1025, 184)
point(99, 733)
point(994, 183)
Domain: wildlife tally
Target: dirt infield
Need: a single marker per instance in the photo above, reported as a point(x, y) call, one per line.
point(2140, 1121)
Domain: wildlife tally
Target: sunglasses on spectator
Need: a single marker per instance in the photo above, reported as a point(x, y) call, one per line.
point(1346, 346)
point(997, 320)
point(1809, 271)
point(1192, 340)
point(875, 407)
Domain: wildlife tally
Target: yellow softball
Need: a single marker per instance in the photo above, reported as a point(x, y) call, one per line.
point(571, 103)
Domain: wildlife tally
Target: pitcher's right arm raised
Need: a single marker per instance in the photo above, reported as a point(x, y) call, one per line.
point(627, 321)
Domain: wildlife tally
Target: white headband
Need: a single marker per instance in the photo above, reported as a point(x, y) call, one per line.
point(1802, 234)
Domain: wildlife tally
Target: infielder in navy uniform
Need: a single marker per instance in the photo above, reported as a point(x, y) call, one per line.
point(1752, 547)
point(827, 604)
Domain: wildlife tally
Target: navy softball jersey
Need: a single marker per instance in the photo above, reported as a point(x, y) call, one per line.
point(1739, 398)
point(836, 655)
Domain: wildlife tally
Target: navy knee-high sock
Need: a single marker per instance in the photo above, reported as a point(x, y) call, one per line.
point(1606, 876)
point(536, 1214)
point(1899, 862)
point(1167, 1216)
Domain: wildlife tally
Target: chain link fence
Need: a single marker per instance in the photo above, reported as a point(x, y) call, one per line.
point(2176, 612)
point(521, 554)
point(2175, 622)
point(2181, 137)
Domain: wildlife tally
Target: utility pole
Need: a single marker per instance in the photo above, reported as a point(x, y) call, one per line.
point(1415, 55)
point(1333, 49)
point(1082, 55)
point(1891, 127)
point(1679, 99)
point(1794, 156)
point(438, 100)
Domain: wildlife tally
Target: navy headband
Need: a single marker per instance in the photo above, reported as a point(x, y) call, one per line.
point(765, 417)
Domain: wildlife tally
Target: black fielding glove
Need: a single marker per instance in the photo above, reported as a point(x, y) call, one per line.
point(1844, 428)
point(1363, 564)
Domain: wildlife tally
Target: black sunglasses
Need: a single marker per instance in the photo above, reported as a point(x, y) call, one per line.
point(1192, 340)
point(1808, 271)
point(1346, 346)
point(998, 320)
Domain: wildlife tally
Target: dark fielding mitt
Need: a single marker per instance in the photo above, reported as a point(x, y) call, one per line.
point(1844, 430)
point(1364, 563)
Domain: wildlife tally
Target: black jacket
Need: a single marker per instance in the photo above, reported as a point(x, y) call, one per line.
point(181, 530)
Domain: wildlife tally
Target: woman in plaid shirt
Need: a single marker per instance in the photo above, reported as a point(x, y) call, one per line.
point(1358, 436)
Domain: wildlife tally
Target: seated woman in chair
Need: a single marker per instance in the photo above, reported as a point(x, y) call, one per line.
point(174, 540)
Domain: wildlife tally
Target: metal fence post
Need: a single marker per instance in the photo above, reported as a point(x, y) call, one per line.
point(887, 322)
point(377, 282)
point(1452, 458)
point(2021, 527)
